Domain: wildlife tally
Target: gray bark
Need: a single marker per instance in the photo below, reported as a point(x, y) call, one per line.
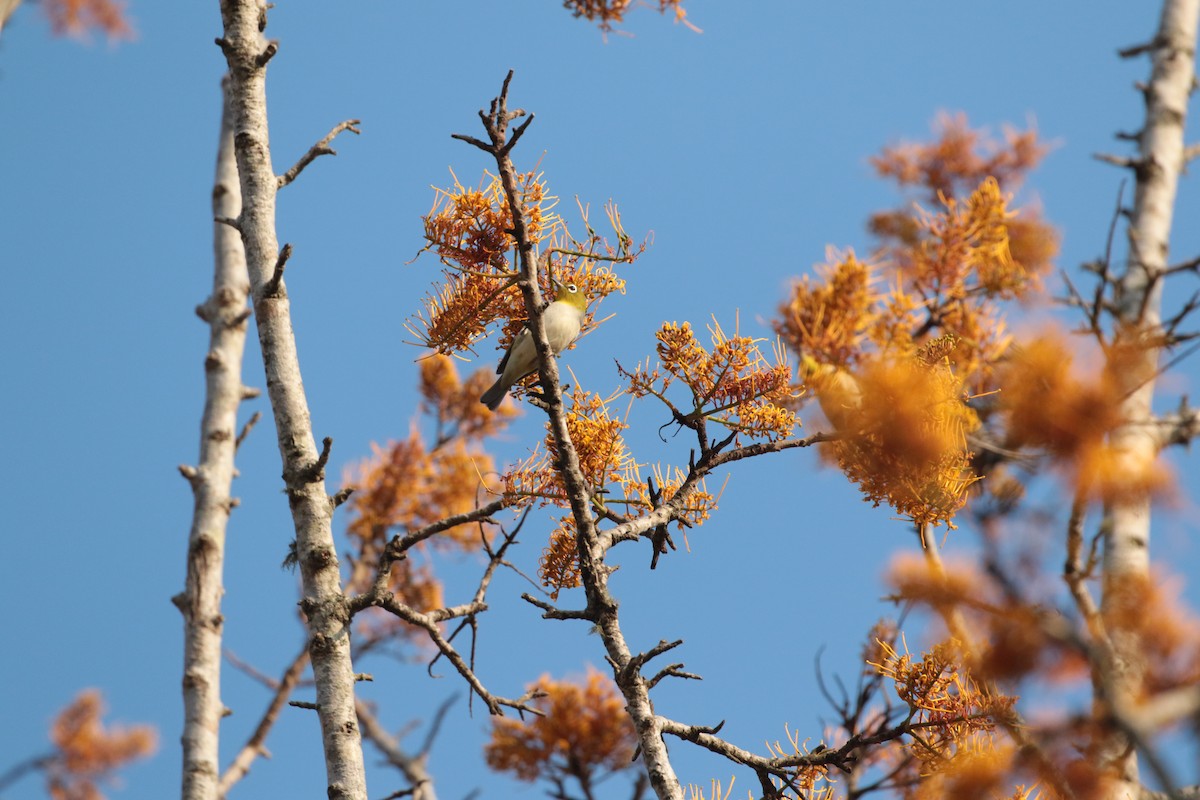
point(1126, 565)
point(323, 603)
point(226, 313)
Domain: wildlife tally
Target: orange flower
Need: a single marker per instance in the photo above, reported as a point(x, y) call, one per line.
point(454, 405)
point(1168, 631)
point(585, 734)
point(601, 450)
point(906, 426)
point(471, 226)
point(943, 694)
point(913, 579)
point(697, 508)
point(559, 564)
point(1048, 406)
point(86, 753)
point(1115, 475)
point(1049, 403)
point(596, 435)
point(610, 13)
point(947, 271)
point(960, 157)
point(734, 384)
point(408, 484)
point(76, 17)
point(469, 231)
point(830, 320)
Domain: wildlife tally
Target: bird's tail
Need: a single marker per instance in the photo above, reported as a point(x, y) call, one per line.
point(495, 395)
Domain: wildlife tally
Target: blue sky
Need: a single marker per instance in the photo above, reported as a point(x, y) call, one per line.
point(742, 150)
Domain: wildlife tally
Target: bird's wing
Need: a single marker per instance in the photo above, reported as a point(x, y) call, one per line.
point(524, 334)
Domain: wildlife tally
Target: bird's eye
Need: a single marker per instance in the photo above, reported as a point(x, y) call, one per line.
point(572, 288)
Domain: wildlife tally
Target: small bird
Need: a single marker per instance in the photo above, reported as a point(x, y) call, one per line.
point(838, 392)
point(562, 318)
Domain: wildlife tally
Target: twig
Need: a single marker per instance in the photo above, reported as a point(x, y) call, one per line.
point(319, 149)
point(553, 612)
point(402, 544)
point(1120, 161)
point(1179, 427)
point(254, 746)
point(316, 470)
point(413, 767)
point(591, 545)
point(438, 718)
point(397, 548)
point(341, 496)
point(380, 597)
point(429, 624)
point(697, 472)
point(271, 287)
point(1075, 573)
point(672, 671)
point(1190, 265)
point(18, 770)
point(250, 423)
point(1138, 49)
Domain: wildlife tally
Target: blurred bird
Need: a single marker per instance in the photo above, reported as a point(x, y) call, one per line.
point(562, 318)
point(838, 392)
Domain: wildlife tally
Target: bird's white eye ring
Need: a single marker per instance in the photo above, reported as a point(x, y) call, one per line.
point(572, 288)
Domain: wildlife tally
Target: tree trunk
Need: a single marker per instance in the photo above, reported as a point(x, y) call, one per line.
point(1134, 364)
point(323, 604)
point(226, 313)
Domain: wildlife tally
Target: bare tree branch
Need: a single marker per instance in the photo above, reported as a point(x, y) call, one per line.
point(22, 768)
point(319, 149)
point(255, 746)
point(380, 597)
point(413, 767)
point(594, 573)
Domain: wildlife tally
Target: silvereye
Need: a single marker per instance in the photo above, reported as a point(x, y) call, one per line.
point(562, 318)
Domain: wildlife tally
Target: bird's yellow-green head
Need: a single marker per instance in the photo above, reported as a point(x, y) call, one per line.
point(571, 294)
